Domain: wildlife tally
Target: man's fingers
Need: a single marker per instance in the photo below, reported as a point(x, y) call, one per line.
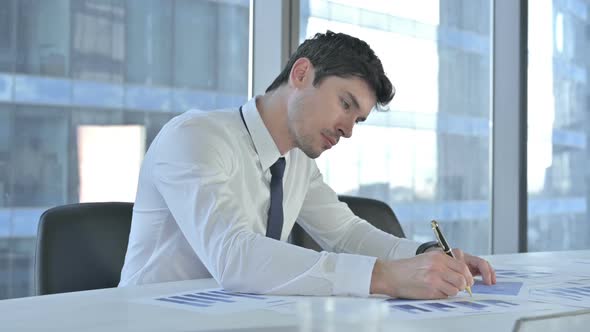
point(438, 294)
point(484, 268)
point(459, 254)
point(440, 288)
point(492, 273)
point(456, 280)
point(460, 267)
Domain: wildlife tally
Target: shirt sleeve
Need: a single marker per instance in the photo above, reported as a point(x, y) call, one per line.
point(192, 169)
point(333, 225)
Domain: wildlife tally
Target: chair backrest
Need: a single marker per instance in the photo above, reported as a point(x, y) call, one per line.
point(81, 246)
point(376, 212)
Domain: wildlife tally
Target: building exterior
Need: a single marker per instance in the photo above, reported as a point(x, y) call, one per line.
point(70, 65)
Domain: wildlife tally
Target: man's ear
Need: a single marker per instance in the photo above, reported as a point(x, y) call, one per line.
point(301, 73)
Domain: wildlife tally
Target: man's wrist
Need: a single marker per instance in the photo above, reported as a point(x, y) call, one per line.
point(377, 286)
point(425, 246)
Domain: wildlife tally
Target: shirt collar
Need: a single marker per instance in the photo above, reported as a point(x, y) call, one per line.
point(265, 146)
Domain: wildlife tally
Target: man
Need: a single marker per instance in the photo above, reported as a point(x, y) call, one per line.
point(220, 191)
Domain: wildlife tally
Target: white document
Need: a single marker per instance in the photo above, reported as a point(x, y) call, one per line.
point(573, 292)
point(519, 288)
point(460, 306)
point(217, 301)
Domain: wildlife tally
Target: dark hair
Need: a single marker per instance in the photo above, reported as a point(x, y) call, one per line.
point(338, 54)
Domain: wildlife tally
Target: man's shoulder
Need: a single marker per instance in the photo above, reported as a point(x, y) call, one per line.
point(197, 136)
point(207, 124)
point(197, 117)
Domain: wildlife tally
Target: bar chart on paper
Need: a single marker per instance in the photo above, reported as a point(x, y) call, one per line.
point(454, 307)
point(504, 296)
point(521, 274)
point(217, 301)
point(572, 292)
point(500, 288)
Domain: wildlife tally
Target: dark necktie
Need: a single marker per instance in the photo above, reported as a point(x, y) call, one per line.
point(275, 212)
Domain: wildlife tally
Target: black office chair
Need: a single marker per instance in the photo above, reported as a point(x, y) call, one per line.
point(81, 246)
point(376, 212)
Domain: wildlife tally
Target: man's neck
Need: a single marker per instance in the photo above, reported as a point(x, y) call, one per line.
point(272, 108)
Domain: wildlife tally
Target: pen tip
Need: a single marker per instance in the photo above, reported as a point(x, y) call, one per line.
point(468, 289)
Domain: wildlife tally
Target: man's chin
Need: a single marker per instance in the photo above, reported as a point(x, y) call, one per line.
point(312, 154)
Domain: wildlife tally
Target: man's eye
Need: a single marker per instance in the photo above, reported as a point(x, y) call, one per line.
point(345, 104)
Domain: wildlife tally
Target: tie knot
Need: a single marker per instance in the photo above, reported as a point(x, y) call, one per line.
point(278, 168)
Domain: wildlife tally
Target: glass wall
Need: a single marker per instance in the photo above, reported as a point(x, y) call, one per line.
point(428, 157)
point(558, 124)
point(74, 74)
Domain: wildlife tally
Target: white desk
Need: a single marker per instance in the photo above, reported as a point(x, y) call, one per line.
point(113, 310)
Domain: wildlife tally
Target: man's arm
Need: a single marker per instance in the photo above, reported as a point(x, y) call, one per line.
point(193, 171)
point(332, 224)
point(398, 272)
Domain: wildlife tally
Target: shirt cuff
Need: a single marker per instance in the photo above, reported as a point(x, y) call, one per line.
point(353, 275)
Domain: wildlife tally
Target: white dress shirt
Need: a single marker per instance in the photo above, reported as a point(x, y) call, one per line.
point(202, 206)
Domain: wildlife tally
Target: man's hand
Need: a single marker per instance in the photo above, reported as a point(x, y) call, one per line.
point(477, 266)
point(432, 275)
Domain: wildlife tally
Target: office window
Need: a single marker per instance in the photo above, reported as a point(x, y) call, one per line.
point(75, 73)
point(232, 76)
point(149, 46)
point(42, 50)
point(38, 158)
point(5, 142)
point(7, 35)
point(428, 157)
point(558, 124)
point(98, 39)
point(100, 149)
point(195, 20)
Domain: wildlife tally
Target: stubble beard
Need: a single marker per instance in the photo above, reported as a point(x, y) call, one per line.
point(305, 144)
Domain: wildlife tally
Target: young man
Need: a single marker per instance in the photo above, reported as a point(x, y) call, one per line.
point(219, 192)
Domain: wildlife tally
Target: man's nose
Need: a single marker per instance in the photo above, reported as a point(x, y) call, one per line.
point(345, 129)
